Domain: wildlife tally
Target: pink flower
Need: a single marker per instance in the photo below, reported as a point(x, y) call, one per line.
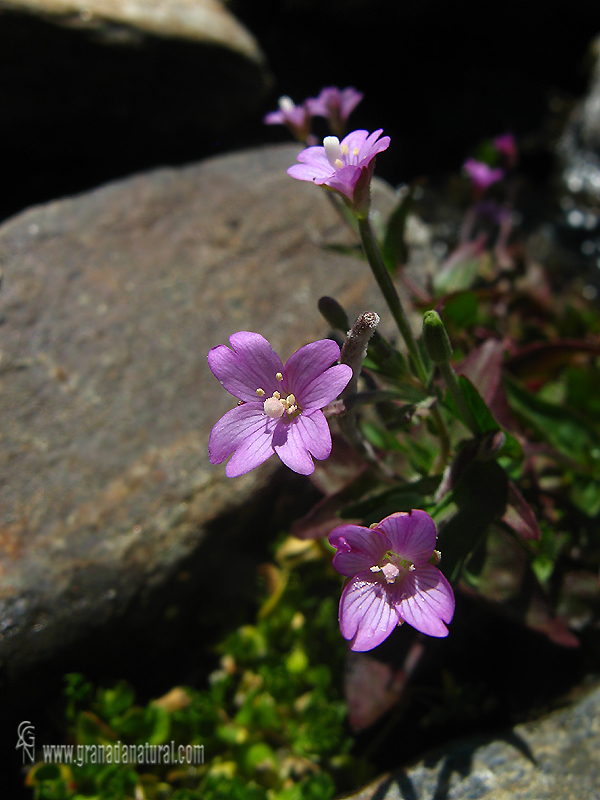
point(335, 105)
point(295, 118)
point(391, 579)
point(346, 166)
point(506, 145)
point(280, 408)
point(481, 174)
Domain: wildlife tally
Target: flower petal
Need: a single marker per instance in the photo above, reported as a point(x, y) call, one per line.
point(367, 615)
point(325, 388)
point(313, 430)
point(425, 600)
point(358, 548)
point(291, 449)
point(246, 432)
point(344, 180)
point(412, 536)
point(309, 364)
point(313, 165)
point(252, 364)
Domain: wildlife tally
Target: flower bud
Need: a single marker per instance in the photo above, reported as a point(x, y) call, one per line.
point(436, 339)
point(333, 313)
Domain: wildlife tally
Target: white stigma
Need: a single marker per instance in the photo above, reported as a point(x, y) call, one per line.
point(273, 407)
point(286, 103)
point(333, 151)
point(390, 572)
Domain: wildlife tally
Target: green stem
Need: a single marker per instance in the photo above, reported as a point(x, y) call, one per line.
point(456, 392)
point(384, 280)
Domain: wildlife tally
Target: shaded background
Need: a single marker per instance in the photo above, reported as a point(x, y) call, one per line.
point(81, 109)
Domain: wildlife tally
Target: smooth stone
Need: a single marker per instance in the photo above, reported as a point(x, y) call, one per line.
point(553, 758)
point(196, 20)
point(110, 303)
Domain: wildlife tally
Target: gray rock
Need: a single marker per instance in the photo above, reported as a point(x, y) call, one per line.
point(110, 303)
point(554, 758)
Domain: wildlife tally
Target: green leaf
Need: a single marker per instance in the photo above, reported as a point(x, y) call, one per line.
point(385, 359)
point(486, 422)
point(400, 498)
point(481, 496)
point(394, 249)
point(585, 494)
point(563, 429)
point(483, 416)
point(462, 310)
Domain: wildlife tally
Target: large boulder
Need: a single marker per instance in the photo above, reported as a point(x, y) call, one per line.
point(110, 303)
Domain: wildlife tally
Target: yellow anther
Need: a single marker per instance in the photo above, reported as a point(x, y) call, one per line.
point(276, 395)
point(344, 149)
point(290, 399)
point(260, 392)
point(338, 163)
point(279, 376)
point(355, 152)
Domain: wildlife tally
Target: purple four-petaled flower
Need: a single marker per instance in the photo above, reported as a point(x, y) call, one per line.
point(280, 409)
point(346, 166)
point(391, 579)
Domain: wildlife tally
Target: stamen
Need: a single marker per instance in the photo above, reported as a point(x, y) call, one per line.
point(344, 149)
point(279, 376)
point(333, 151)
point(356, 151)
point(260, 392)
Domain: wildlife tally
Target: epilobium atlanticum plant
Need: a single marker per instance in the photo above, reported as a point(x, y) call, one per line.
point(392, 579)
point(280, 405)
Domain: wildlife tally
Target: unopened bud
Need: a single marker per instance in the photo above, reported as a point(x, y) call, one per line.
point(354, 350)
point(333, 313)
point(436, 339)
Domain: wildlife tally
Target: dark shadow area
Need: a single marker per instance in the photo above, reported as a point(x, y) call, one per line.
point(166, 636)
point(81, 108)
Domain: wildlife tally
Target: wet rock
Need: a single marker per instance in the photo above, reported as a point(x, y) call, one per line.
point(554, 758)
point(110, 303)
point(579, 146)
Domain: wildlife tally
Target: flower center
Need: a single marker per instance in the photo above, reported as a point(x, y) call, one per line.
point(276, 406)
point(392, 566)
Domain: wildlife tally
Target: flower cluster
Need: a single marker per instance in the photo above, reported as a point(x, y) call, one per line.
point(334, 104)
point(392, 579)
point(280, 405)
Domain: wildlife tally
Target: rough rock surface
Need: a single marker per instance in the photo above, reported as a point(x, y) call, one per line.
point(110, 303)
point(554, 758)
